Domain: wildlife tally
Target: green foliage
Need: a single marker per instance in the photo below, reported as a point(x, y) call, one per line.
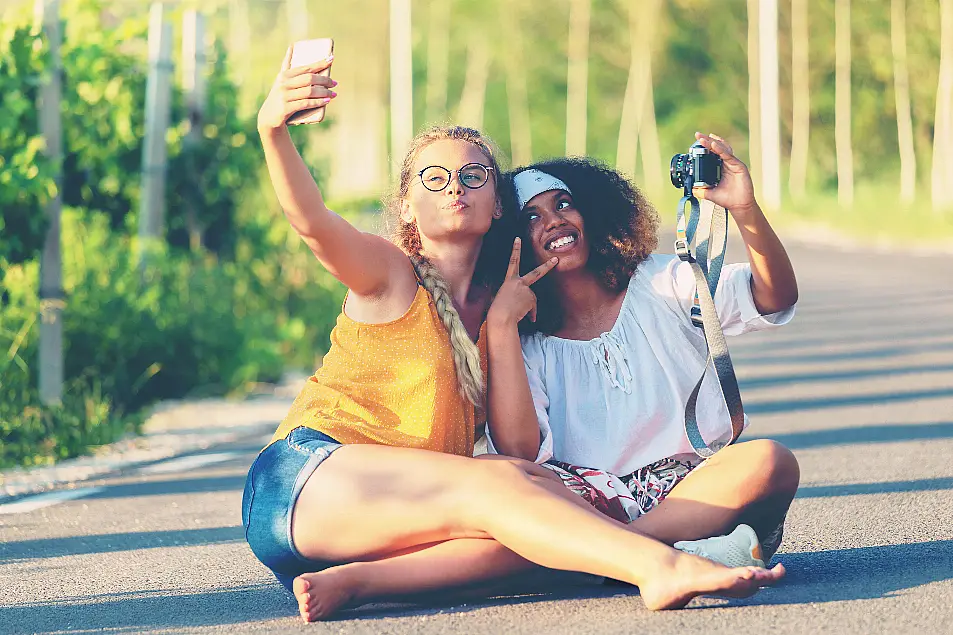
point(26, 181)
point(247, 303)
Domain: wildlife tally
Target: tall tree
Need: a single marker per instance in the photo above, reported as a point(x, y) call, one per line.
point(473, 97)
point(438, 59)
point(577, 81)
point(401, 82)
point(754, 96)
point(770, 109)
point(517, 99)
point(942, 173)
point(801, 119)
point(842, 107)
point(901, 88)
point(637, 128)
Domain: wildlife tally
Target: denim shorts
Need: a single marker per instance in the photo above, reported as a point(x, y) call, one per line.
point(274, 482)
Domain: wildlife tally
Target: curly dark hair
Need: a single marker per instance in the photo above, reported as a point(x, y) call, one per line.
point(620, 224)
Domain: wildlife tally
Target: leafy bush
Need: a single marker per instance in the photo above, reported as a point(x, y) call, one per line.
point(26, 181)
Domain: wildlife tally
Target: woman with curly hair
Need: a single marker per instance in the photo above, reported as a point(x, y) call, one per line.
point(613, 357)
point(373, 464)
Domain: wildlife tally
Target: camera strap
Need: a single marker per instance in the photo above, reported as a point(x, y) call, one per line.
point(706, 264)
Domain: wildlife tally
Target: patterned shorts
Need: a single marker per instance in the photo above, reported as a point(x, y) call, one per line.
point(625, 498)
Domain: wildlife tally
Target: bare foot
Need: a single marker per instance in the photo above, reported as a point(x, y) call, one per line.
point(320, 594)
point(691, 576)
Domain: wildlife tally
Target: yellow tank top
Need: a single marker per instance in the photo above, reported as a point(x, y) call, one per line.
point(392, 384)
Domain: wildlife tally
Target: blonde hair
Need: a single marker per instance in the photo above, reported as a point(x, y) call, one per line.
point(466, 355)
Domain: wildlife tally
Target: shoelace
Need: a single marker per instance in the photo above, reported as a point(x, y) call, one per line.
point(609, 353)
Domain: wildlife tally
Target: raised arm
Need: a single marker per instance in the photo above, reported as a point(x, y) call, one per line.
point(511, 415)
point(363, 262)
point(773, 284)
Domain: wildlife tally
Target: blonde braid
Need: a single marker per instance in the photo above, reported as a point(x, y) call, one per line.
point(466, 355)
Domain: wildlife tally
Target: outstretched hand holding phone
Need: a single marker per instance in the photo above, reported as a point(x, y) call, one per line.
point(299, 88)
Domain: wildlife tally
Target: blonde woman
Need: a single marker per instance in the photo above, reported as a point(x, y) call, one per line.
point(373, 462)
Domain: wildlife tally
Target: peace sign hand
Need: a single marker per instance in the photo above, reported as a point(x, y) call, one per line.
point(515, 299)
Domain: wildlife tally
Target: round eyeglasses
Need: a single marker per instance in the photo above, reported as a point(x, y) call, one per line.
point(472, 176)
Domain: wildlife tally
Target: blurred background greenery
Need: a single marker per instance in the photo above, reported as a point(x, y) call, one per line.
point(249, 302)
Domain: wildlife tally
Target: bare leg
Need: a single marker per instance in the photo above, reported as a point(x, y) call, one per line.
point(751, 483)
point(368, 501)
point(451, 563)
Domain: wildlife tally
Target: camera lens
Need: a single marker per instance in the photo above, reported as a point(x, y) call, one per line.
point(679, 169)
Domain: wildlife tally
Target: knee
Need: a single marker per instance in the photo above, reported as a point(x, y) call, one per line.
point(774, 463)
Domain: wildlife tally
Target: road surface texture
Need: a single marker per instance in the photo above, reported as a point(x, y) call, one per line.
point(859, 386)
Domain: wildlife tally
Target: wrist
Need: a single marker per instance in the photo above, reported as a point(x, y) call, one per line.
point(498, 321)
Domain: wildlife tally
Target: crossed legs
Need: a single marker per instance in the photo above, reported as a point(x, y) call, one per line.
point(410, 521)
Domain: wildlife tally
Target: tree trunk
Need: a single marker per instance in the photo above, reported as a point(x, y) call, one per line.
point(401, 82)
point(901, 88)
point(438, 60)
point(770, 110)
point(626, 151)
point(577, 81)
point(942, 173)
point(754, 97)
point(842, 109)
point(648, 139)
point(473, 98)
point(517, 99)
point(801, 120)
point(638, 89)
point(52, 298)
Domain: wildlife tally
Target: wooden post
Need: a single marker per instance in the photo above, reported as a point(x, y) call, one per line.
point(801, 89)
point(942, 170)
point(901, 89)
point(473, 97)
point(754, 97)
point(193, 83)
point(401, 82)
point(770, 111)
point(52, 299)
point(577, 77)
point(517, 95)
point(158, 97)
point(842, 108)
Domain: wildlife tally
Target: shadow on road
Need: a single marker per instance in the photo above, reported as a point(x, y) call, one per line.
point(813, 577)
point(199, 485)
point(106, 543)
point(757, 406)
point(134, 612)
point(860, 573)
point(887, 487)
point(865, 434)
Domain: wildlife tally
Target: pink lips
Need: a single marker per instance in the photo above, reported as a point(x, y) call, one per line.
point(455, 206)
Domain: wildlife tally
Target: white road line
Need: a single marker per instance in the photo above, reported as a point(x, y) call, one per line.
point(186, 463)
point(33, 503)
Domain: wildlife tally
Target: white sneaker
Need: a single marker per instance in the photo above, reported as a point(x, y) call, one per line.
point(740, 548)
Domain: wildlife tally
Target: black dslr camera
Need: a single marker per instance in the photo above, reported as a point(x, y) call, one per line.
point(698, 168)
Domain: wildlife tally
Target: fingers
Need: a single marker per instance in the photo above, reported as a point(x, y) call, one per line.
point(308, 92)
point(719, 146)
point(701, 193)
point(305, 104)
point(308, 79)
point(540, 271)
point(286, 64)
point(513, 270)
point(532, 312)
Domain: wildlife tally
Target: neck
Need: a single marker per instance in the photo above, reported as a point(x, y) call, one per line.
point(584, 299)
point(456, 264)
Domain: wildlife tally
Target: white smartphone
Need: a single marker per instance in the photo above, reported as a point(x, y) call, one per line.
point(308, 52)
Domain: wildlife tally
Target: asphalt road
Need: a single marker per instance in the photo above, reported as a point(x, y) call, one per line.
point(860, 386)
